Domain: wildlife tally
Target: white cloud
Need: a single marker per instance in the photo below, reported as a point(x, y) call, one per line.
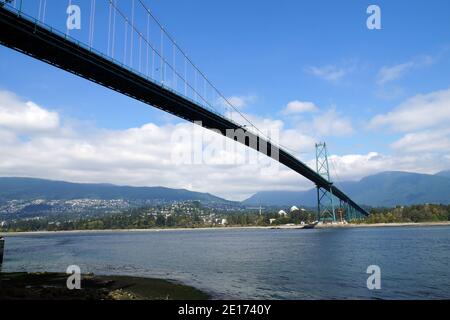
point(296, 106)
point(331, 123)
point(357, 166)
point(313, 124)
point(424, 120)
point(329, 72)
point(424, 141)
point(139, 156)
point(419, 112)
point(239, 101)
point(25, 117)
point(321, 124)
point(391, 73)
point(142, 156)
point(387, 74)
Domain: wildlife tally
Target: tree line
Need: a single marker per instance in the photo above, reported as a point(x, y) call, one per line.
point(140, 219)
point(414, 213)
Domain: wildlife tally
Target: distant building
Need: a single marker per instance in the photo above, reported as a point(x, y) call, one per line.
point(282, 213)
point(224, 221)
point(294, 208)
point(272, 220)
point(3, 224)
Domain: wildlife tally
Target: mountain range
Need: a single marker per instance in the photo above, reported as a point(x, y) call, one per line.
point(30, 189)
point(385, 189)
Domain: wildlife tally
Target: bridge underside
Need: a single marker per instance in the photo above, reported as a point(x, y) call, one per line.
point(32, 39)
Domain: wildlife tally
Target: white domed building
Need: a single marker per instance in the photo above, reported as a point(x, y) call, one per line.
point(294, 208)
point(282, 213)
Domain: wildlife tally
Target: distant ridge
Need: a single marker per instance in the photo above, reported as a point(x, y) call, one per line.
point(384, 189)
point(445, 173)
point(31, 188)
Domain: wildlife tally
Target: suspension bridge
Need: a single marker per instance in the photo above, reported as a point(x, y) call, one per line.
point(124, 47)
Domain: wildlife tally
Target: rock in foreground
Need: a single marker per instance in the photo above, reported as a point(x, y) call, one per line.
point(52, 286)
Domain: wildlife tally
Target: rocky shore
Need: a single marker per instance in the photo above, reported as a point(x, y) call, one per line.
point(52, 286)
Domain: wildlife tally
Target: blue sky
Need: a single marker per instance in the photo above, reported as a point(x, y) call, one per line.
point(268, 54)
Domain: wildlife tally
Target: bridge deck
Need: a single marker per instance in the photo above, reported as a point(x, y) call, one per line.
point(34, 39)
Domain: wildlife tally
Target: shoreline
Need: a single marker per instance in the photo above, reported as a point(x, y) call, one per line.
point(389, 225)
point(52, 286)
point(280, 227)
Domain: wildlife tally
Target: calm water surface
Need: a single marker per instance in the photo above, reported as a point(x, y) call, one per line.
point(264, 264)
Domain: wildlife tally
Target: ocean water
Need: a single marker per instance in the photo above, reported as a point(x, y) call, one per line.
point(256, 264)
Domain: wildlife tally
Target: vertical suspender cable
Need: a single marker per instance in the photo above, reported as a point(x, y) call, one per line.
point(162, 56)
point(113, 31)
point(204, 88)
point(185, 76)
point(148, 45)
point(132, 33)
point(44, 9)
point(39, 11)
point(125, 42)
point(109, 27)
point(140, 52)
point(173, 68)
point(92, 24)
point(70, 4)
point(195, 84)
point(153, 64)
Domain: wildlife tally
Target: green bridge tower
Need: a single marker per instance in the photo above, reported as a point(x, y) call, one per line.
point(325, 205)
